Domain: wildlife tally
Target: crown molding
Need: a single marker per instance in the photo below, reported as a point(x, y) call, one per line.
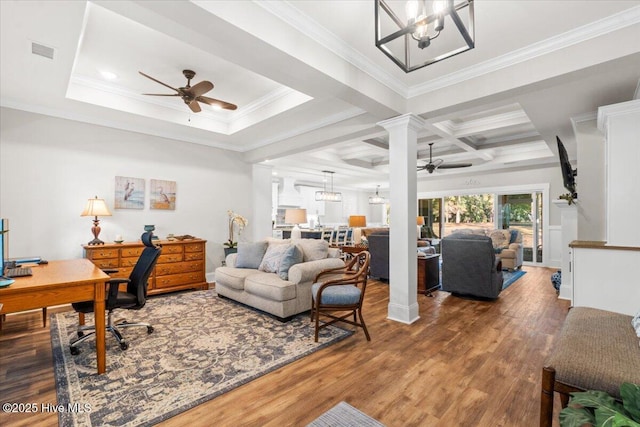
point(287, 12)
point(623, 108)
point(115, 124)
point(326, 121)
point(229, 121)
point(294, 17)
point(577, 35)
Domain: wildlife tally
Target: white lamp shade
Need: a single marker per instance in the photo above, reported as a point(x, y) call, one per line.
point(96, 207)
point(295, 216)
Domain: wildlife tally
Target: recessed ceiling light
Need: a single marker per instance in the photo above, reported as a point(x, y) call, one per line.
point(108, 75)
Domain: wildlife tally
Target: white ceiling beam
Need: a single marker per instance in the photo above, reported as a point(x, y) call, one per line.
point(487, 124)
point(443, 132)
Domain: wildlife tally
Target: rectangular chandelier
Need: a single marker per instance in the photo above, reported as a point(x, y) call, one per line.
point(328, 196)
point(418, 33)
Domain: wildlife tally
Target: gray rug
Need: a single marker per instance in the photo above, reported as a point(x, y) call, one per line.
point(344, 415)
point(202, 346)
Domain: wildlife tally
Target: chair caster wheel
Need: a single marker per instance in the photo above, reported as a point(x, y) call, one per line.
point(75, 351)
point(150, 329)
point(124, 345)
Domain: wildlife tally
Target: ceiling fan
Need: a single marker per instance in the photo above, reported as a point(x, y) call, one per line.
point(439, 163)
point(191, 95)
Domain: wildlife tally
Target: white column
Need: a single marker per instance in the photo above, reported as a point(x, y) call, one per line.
point(261, 188)
point(569, 224)
point(621, 126)
point(403, 136)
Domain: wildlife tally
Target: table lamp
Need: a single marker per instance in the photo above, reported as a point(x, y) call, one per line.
point(95, 208)
point(295, 216)
point(355, 222)
point(420, 223)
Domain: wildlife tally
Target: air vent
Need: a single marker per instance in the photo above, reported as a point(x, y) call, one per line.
point(42, 50)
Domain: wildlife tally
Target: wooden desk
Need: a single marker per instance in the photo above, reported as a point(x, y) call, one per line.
point(62, 282)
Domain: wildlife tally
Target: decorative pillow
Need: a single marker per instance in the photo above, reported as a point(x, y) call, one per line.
point(556, 280)
point(500, 239)
point(272, 258)
point(290, 257)
point(514, 236)
point(250, 254)
point(313, 249)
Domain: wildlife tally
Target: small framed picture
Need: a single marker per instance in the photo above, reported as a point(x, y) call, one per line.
point(129, 193)
point(163, 194)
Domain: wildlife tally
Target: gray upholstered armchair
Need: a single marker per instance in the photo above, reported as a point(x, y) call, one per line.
point(379, 250)
point(469, 266)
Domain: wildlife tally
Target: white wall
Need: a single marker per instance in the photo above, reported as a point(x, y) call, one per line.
point(590, 181)
point(49, 167)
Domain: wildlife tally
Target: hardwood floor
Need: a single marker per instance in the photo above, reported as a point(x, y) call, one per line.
point(463, 363)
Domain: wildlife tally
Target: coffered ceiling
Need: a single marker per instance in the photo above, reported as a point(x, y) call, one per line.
point(310, 84)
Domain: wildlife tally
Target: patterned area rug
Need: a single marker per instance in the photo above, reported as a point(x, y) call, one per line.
point(344, 415)
point(509, 277)
point(202, 346)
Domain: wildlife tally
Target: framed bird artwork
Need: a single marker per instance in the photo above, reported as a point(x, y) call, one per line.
point(162, 194)
point(129, 193)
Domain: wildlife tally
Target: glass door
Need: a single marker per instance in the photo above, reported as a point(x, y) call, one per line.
point(523, 212)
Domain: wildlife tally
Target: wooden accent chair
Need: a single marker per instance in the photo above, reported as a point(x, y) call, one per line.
point(341, 289)
point(596, 350)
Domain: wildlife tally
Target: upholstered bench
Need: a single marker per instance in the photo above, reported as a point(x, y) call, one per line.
point(596, 350)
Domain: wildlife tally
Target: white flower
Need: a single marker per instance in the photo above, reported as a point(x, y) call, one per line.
point(235, 219)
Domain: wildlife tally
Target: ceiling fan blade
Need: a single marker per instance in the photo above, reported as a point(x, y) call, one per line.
point(213, 101)
point(195, 107)
point(158, 81)
point(454, 165)
point(162, 94)
point(200, 88)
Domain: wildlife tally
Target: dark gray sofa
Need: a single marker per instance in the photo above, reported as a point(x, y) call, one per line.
point(469, 266)
point(379, 250)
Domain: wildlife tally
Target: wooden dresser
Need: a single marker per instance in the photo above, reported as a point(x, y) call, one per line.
point(180, 266)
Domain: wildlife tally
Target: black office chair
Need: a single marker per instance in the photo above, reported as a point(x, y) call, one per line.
point(133, 299)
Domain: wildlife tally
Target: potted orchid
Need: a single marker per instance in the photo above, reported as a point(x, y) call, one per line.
point(235, 221)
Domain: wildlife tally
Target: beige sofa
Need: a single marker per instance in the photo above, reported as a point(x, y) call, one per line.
point(507, 245)
point(268, 291)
